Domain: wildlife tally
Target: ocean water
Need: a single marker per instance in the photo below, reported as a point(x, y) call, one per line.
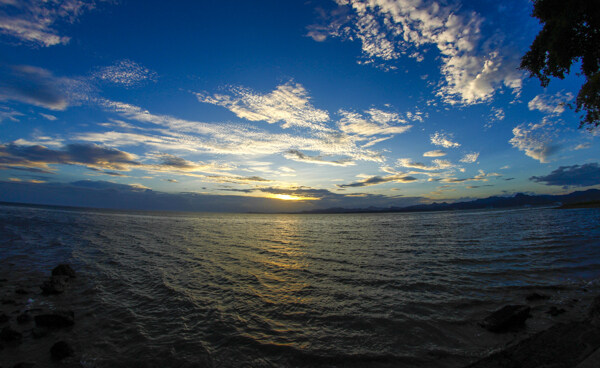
point(252, 290)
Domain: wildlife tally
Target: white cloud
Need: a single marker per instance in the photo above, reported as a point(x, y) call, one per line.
point(582, 146)
point(384, 117)
point(551, 105)
point(437, 164)
point(434, 153)
point(170, 133)
point(389, 29)
point(48, 116)
point(9, 114)
point(126, 73)
point(296, 155)
point(469, 158)
point(288, 104)
point(33, 21)
point(535, 140)
point(354, 123)
point(443, 139)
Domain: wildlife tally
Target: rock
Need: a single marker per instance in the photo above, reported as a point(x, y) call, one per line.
point(39, 332)
point(55, 285)
point(8, 301)
point(61, 350)
point(506, 318)
point(21, 291)
point(554, 311)
point(562, 345)
point(594, 311)
point(23, 318)
point(24, 365)
point(55, 320)
point(534, 297)
point(10, 335)
point(63, 270)
point(4, 318)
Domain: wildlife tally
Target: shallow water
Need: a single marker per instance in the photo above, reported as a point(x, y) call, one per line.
point(230, 290)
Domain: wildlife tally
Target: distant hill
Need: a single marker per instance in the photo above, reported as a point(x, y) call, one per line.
point(518, 200)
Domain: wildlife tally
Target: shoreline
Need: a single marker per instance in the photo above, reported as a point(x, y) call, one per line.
point(573, 344)
point(559, 344)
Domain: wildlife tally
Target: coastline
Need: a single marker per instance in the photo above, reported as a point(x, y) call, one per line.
point(573, 340)
point(574, 343)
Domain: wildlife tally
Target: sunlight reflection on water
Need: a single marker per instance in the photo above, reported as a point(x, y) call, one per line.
point(305, 290)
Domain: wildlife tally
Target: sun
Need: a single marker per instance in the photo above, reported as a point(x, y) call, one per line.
point(287, 197)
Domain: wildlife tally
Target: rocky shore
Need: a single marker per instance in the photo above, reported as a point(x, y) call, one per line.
point(32, 326)
point(572, 344)
point(37, 322)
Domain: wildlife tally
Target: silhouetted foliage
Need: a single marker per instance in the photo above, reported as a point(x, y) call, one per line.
point(570, 33)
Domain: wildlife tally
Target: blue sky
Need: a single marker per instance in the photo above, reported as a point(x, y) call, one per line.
point(282, 104)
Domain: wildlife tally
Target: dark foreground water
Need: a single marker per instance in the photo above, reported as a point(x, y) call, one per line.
point(233, 290)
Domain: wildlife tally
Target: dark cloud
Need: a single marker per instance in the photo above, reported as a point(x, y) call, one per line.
point(28, 169)
point(239, 190)
point(236, 179)
point(113, 173)
point(379, 180)
point(100, 184)
point(302, 157)
point(176, 162)
point(39, 157)
point(302, 192)
point(32, 85)
point(572, 176)
point(104, 194)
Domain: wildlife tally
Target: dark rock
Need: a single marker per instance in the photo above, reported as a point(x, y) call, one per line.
point(55, 285)
point(39, 332)
point(10, 335)
point(63, 270)
point(21, 291)
point(61, 350)
point(594, 311)
point(4, 318)
point(24, 317)
point(8, 301)
point(507, 318)
point(554, 311)
point(55, 320)
point(534, 297)
point(562, 345)
point(24, 365)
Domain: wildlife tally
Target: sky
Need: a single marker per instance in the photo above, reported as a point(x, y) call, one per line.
point(280, 105)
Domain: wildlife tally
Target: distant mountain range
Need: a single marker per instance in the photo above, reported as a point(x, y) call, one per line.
point(518, 200)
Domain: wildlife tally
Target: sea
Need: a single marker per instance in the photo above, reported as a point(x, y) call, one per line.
point(158, 289)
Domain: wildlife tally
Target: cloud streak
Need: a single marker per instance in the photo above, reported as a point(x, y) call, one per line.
point(375, 180)
point(289, 104)
point(33, 21)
